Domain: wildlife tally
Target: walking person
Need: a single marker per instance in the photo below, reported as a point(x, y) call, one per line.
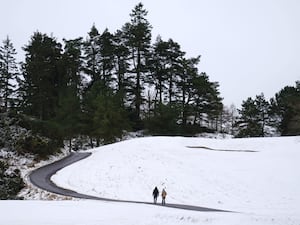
point(155, 194)
point(163, 195)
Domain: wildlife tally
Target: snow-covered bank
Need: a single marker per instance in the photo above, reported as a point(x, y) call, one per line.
point(263, 182)
point(103, 213)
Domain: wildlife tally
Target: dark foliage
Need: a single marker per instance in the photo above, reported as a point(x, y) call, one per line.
point(98, 87)
point(40, 146)
point(10, 182)
point(164, 121)
point(286, 107)
point(254, 117)
point(8, 74)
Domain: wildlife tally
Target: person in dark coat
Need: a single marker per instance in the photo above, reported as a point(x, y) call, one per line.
point(155, 194)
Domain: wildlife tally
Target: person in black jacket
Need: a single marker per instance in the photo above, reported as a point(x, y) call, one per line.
point(155, 194)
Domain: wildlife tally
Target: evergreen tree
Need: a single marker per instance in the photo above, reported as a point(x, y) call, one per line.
point(99, 65)
point(104, 119)
point(164, 120)
point(8, 74)
point(286, 107)
point(138, 35)
point(215, 106)
point(72, 64)
point(248, 121)
point(254, 117)
point(201, 87)
point(89, 108)
point(185, 86)
point(43, 77)
point(206, 100)
point(92, 55)
point(106, 60)
point(174, 69)
point(121, 53)
point(263, 107)
point(99, 57)
point(158, 65)
point(177, 78)
point(109, 118)
point(68, 115)
point(165, 68)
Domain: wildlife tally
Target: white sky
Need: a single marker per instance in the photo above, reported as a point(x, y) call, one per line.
point(248, 46)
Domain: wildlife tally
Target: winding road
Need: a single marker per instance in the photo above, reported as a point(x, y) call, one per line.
point(41, 179)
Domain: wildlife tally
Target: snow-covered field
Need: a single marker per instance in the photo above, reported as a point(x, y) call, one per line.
point(103, 213)
point(259, 178)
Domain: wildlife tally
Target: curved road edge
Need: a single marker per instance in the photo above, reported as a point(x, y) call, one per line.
point(41, 178)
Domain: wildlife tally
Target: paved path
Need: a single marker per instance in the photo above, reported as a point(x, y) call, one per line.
point(41, 178)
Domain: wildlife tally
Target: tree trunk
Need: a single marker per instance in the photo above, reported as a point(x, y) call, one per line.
point(91, 143)
point(170, 89)
point(70, 145)
point(138, 85)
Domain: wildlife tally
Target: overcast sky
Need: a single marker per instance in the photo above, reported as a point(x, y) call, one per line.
point(248, 46)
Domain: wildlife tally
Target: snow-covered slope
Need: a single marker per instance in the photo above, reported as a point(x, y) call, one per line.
point(103, 213)
point(257, 175)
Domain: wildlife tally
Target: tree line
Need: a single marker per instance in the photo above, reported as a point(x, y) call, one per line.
point(108, 83)
point(259, 117)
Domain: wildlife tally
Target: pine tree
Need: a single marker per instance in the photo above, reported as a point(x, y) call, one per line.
point(99, 57)
point(8, 74)
point(158, 65)
point(106, 60)
point(68, 114)
point(89, 108)
point(174, 69)
point(164, 120)
point(138, 35)
point(206, 101)
point(109, 118)
point(121, 53)
point(254, 117)
point(286, 107)
point(263, 107)
point(104, 119)
point(164, 66)
point(248, 121)
point(92, 55)
point(215, 106)
point(43, 77)
point(185, 85)
point(73, 63)
point(201, 87)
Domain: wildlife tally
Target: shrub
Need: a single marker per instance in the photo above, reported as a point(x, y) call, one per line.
point(40, 146)
point(10, 182)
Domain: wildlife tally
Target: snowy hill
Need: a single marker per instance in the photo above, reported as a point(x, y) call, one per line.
point(257, 177)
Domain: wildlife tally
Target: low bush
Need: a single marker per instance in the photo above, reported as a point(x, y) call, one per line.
point(10, 182)
point(40, 146)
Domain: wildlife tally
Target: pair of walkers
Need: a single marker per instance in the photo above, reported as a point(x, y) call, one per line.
point(163, 195)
